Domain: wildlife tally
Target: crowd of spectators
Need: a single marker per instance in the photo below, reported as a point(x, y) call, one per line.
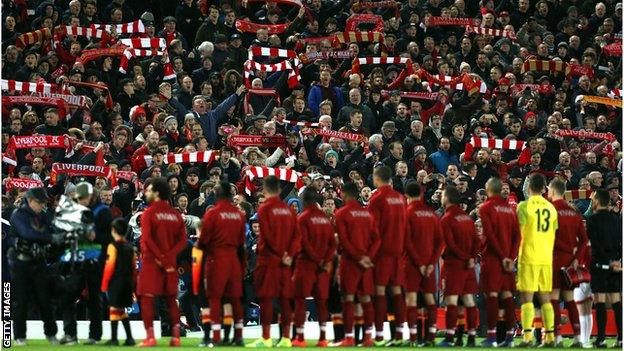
point(422, 137)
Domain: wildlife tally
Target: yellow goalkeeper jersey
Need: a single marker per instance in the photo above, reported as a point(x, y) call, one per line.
point(538, 225)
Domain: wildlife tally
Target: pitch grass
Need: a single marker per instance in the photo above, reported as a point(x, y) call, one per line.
point(187, 344)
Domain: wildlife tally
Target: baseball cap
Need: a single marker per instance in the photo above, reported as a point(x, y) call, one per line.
point(220, 38)
point(147, 18)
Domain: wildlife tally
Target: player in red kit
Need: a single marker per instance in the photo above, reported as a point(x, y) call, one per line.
point(462, 244)
point(277, 245)
point(571, 245)
point(388, 208)
point(311, 277)
point(163, 236)
point(222, 240)
point(358, 241)
point(502, 239)
point(424, 243)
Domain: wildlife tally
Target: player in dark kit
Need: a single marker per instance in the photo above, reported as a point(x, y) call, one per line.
point(424, 243)
point(388, 208)
point(358, 241)
point(277, 244)
point(222, 240)
point(459, 256)
point(311, 277)
point(502, 233)
point(571, 245)
point(163, 236)
point(118, 281)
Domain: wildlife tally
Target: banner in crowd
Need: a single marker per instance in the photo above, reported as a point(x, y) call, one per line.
point(287, 175)
point(18, 183)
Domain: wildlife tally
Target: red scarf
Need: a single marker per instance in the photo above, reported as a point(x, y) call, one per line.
point(377, 5)
point(614, 49)
point(577, 194)
point(75, 170)
point(38, 100)
point(413, 95)
point(446, 21)
point(284, 174)
point(99, 85)
point(38, 141)
point(354, 21)
point(340, 135)
point(17, 183)
point(30, 38)
point(587, 135)
point(92, 54)
point(256, 140)
point(250, 27)
point(28, 87)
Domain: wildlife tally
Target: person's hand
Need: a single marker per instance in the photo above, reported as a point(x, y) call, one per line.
point(78, 146)
point(98, 147)
point(191, 55)
point(507, 264)
point(91, 236)
point(241, 90)
point(430, 269)
point(366, 262)
point(574, 264)
point(302, 12)
point(286, 260)
point(616, 266)
point(423, 270)
point(470, 263)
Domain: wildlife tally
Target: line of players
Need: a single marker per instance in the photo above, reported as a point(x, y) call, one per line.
point(394, 243)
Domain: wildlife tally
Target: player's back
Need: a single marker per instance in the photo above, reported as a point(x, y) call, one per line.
point(278, 224)
point(422, 227)
point(223, 228)
point(570, 227)
point(162, 224)
point(317, 231)
point(459, 234)
point(538, 225)
point(388, 208)
point(500, 223)
point(354, 224)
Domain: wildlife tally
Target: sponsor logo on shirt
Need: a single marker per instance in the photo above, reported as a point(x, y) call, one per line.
point(360, 214)
point(394, 201)
point(566, 213)
point(281, 212)
point(230, 215)
point(319, 220)
point(503, 209)
point(166, 217)
point(425, 214)
point(463, 218)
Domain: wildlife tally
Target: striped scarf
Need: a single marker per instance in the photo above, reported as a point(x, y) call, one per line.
point(192, 157)
point(301, 123)
point(287, 175)
point(270, 52)
point(128, 28)
point(491, 32)
point(615, 93)
point(543, 65)
point(27, 87)
point(355, 68)
point(33, 37)
point(505, 144)
point(293, 72)
point(144, 42)
point(130, 53)
point(577, 194)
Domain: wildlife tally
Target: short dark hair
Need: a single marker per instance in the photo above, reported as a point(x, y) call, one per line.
point(354, 112)
point(602, 197)
point(537, 183)
point(495, 185)
point(558, 186)
point(452, 195)
point(350, 190)
point(412, 190)
point(120, 225)
point(309, 196)
point(161, 186)
point(383, 173)
point(223, 191)
point(272, 184)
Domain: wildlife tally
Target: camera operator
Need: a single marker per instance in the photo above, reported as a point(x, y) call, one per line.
point(31, 229)
point(87, 265)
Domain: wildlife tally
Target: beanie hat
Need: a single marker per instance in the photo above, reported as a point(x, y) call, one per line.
point(169, 119)
point(332, 153)
point(136, 111)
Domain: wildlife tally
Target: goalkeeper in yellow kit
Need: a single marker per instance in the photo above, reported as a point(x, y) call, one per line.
point(538, 224)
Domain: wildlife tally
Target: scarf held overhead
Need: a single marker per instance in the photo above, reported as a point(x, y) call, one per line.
point(505, 144)
point(17, 183)
point(287, 175)
point(587, 135)
point(257, 140)
point(75, 170)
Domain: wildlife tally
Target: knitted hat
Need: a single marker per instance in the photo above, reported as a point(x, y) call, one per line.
point(332, 153)
point(169, 119)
